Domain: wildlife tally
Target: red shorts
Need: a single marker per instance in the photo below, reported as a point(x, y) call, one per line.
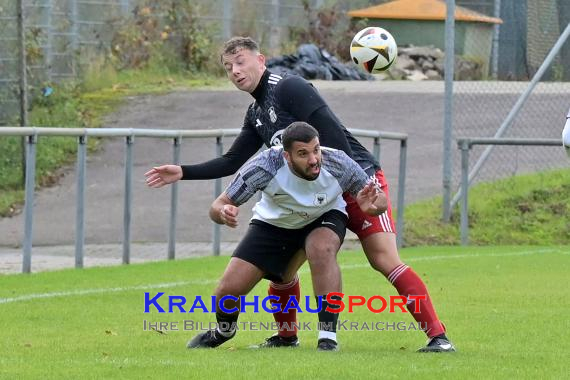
point(363, 224)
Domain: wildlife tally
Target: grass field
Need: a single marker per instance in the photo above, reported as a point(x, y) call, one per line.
point(505, 309)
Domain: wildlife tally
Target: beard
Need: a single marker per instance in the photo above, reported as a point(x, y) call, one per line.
point(309, 173)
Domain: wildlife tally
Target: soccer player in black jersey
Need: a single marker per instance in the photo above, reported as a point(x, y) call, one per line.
point(278, 101)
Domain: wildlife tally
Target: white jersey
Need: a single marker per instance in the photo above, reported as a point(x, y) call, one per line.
point(289, 201)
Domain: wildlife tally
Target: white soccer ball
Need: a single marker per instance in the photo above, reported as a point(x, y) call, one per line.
point(566, 137)
point(374, 49)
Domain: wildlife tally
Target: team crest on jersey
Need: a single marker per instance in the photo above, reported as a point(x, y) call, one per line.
point(277, 138)
point(320, 199)
point(272, 114)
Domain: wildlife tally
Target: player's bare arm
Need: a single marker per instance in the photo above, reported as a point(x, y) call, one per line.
point(224, 211)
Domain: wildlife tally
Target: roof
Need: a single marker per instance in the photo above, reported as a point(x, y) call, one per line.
point(420, 10)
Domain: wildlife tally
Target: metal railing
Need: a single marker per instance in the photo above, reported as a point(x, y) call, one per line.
point(465, 144)
point(82, 134)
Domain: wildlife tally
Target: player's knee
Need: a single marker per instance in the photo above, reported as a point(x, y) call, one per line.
point(322, 253)
point(225, 288)
point(383, 260)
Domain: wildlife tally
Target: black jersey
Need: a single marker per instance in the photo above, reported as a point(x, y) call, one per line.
point(279, 101)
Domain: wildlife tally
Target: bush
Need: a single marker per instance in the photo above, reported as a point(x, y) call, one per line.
point(328, 28)
point(168, 34)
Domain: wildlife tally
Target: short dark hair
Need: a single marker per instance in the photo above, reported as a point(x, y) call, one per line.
point(298, 131)
point(235, 44)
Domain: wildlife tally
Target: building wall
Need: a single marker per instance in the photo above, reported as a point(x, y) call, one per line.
point(420, 33)
point(478, 44)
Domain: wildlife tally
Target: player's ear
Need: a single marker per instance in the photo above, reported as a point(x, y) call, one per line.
point(261, 59)
point(287, 156)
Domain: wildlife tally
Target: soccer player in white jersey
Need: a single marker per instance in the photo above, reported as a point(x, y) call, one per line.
point(301, 210)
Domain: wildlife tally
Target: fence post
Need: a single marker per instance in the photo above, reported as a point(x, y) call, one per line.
point(128, 199)
point(376, 148)
point(125, 7)
point(29, 202)
point(496, 30)
point(80, 208)
point(217, 192)
point(517, 107)
point(74, 36)
point(173, 204)
point(23, 81)
point(49, 44)
point(401, 191)
point(464, 146)
point(448, 107)
point(227, 21)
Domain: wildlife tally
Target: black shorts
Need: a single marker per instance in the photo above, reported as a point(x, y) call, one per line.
point(271, 248)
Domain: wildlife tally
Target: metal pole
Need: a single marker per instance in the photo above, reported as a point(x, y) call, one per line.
point(376, 148)
point(128, 200)
point(74, 36)
point(401, 191)
point(23, 81)
point(275, 31)
point(465, 186)
point(227, 30)
point(448, 106)
point(80, 208)
point(49, 44)
point(125, 7)
point(217, 192)
point(29, 201)
point(173, 204)
point(496, 30)
point(516, 108)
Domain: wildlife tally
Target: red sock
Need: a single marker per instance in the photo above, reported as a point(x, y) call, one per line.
point(407, 282)
point(283, 291)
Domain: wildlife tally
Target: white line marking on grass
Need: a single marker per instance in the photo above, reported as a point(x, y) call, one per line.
point(83, 292)
point(445, 257)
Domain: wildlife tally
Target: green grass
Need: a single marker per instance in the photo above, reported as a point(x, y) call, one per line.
point(504, 308)
point(526, 209)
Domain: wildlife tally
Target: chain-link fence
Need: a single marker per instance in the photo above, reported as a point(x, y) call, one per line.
point(529, 31)
point(62, 37)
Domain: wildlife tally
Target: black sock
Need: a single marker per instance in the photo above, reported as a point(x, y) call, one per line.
point(327, 320)
point(226, 323)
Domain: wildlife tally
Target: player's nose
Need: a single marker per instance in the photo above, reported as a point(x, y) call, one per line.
point(313, 159)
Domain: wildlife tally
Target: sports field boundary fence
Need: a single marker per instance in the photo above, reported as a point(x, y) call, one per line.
point(465, 145)
point(32, 135)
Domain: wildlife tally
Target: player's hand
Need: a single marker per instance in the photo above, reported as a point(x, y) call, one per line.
point(369, 199)
point(163, 175)
point(228, 215)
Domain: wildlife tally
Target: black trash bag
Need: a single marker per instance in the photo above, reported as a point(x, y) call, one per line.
point(310, 52)
point(311, 62)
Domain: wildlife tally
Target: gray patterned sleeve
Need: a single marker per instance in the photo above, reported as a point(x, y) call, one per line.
point(254, 176)
point(349, 174)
